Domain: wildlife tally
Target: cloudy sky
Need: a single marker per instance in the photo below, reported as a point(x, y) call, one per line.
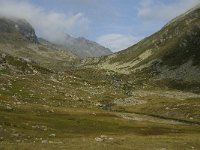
point(116, 24)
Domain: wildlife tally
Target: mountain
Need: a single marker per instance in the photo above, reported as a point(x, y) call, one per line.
point(84, 47)
point(170, 54)
point(17, 28)
point(18, 39)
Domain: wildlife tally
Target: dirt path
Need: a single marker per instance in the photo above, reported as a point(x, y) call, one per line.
point(140, 117)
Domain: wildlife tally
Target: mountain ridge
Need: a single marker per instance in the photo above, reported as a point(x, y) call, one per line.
point(18, 39)
point(170, 40)
point(167, 58)
point(83, 47)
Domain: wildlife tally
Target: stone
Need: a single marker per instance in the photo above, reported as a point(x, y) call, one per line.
point(52, 135)
point(98, 139)
point(18, 141)
point(15, 135)
point(3, 88)
point(51, 142)
point(18, 103)
point(44, 141)
point(9, 108)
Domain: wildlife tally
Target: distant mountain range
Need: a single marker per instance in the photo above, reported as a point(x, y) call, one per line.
point(84, 48)
point(18, 39)
point(14, 29)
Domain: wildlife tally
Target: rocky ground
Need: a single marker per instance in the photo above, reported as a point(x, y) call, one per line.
point(75, 109)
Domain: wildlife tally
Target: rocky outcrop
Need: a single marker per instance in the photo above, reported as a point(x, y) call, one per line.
point(17, 28)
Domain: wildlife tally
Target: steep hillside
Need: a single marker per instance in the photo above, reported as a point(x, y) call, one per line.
point(18, 39)
point(172, 53)
point(84, 47)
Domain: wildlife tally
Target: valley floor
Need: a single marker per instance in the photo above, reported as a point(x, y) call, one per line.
point(66, 111)
point(53, 128)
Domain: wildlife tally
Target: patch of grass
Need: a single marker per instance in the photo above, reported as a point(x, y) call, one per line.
point(74, 129)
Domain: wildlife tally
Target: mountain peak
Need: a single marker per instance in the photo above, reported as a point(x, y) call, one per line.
point(17, 28)
point(83, 47)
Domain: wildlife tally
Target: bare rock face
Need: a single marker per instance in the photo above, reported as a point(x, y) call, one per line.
point(17, 28)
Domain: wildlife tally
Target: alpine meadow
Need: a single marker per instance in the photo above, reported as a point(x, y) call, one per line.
point(73, 92)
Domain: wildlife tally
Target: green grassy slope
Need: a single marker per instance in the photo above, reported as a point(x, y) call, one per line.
point(167, 59)
point(174, 44)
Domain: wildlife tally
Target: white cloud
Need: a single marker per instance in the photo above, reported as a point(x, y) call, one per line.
point(117, 42)
point(158, 10)
point(49, 24)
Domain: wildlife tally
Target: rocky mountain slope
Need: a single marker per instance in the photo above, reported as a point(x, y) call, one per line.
point(18, 39)
point(170, 54)
point(84, 47)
